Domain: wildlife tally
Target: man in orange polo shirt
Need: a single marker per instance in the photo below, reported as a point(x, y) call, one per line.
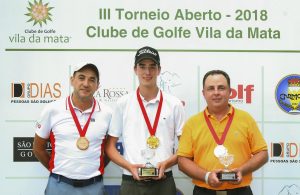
point(221, 132)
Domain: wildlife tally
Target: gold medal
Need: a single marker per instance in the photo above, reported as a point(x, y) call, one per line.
point(152, 142)
point(82, 143)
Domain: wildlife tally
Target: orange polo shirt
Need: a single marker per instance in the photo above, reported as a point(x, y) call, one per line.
point(243, 140)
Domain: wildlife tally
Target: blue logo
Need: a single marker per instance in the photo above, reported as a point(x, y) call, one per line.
point(288, 94)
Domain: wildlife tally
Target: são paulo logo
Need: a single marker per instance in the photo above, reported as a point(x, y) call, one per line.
point(39, 13)
point(288, 94)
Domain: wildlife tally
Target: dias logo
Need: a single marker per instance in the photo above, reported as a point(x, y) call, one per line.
point(241, 94)
point(277, 149)
point(285, 152)
point(290, 150)
point(35, 92)
point(39, 13)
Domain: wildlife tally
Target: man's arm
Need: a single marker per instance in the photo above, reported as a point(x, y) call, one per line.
point(162, 166)
point(105, 157)
point(189, 167)
point(39, 150)
point(257, 161)
point(112, 152)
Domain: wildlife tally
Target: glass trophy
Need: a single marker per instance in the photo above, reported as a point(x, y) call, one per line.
point(149, 170)
point(226, 175)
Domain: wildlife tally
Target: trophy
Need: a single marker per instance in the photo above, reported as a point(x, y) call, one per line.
point(149, 170)
point(226, 175)
point(294, 92)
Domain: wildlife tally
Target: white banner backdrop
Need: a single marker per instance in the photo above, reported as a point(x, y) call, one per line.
point(256, 42)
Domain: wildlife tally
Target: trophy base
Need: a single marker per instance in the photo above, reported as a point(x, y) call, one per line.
point(148, 172)
point(227, 176)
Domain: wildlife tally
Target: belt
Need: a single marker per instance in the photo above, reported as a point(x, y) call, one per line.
point(130, 178)
point(224, 192)
point(77, 182)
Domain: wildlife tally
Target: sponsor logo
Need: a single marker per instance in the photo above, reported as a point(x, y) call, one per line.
point(282, 152)
point(147, 51)
point(241, 94)
point(22, 92)
point(110, 94)
point(168, 81)
point(288, 94)
point(23, 149)
point(39, 13)
point(290, 190)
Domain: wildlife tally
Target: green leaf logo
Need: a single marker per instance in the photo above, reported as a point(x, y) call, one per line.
point(39, 13)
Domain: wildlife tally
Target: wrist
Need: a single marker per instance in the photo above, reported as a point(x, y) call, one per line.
point(206, 177)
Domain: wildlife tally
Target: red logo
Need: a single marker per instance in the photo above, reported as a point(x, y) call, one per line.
point(242, 93)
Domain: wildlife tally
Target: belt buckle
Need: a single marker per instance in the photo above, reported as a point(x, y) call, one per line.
point(78, 183)
point(221, 192)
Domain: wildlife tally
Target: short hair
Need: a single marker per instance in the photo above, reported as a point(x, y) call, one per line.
point(89, 66)
point(214, 72)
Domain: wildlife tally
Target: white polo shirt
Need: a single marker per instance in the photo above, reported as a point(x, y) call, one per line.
point(128, 122)
point(56, 123)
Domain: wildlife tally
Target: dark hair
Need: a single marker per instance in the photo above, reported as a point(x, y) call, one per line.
point(213, 72)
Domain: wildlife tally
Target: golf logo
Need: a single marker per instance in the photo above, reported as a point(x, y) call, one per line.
point(39, 13)
point(288, 94)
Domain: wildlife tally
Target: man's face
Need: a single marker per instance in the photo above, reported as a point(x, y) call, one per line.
point(85, 84)
point(216, 91)
point(147, 71)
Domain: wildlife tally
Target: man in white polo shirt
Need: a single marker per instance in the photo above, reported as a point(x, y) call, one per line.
point(77, 127)
point(149, 122)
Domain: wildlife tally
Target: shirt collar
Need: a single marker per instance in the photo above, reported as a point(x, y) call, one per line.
point(227, 115)
point(154, 100)
point(97, 108)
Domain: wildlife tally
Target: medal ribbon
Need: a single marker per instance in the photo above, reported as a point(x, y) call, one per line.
point(81, 131)
point(151, 129)
point(213, 132)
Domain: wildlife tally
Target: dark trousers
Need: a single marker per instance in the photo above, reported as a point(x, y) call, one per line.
point(165, 186)
point(237, 191)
